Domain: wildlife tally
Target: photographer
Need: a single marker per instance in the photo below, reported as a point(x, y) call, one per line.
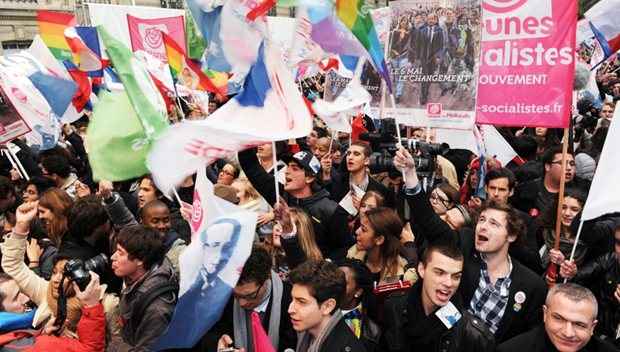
point(41, 292)
point(90, 329)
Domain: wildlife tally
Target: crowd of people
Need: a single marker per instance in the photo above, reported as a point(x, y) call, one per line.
point(343, 260)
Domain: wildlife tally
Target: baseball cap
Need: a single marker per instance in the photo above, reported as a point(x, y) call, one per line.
point(306, 160)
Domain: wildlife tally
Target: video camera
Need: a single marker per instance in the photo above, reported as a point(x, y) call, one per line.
point(384, 145)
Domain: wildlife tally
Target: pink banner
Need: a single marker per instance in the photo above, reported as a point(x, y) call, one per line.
point(145, 34)
point(527, 63)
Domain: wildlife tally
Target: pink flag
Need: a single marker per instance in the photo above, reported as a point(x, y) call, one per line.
point(262, 343)
point(527, 63)
point(145, 34)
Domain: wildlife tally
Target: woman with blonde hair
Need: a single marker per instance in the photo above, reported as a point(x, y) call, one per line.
point(297, 238)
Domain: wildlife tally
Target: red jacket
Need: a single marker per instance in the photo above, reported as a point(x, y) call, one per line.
point(90, 329)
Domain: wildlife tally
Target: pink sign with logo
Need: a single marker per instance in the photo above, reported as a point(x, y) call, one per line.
point(527, 63)
point(145, 34)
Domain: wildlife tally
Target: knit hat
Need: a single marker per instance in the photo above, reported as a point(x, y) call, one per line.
point(585, 166)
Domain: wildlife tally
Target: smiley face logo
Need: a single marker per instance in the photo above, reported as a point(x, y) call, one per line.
point(502, 6)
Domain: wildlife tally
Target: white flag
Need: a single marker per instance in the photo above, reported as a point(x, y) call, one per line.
point(600, 200)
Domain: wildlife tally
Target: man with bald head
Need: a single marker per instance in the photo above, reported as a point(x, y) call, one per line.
point(569, 319)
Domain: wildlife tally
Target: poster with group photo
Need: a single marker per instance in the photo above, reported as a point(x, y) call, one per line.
point(433, 57)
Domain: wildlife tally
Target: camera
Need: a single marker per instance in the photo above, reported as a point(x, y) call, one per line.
point(424, 154)
point(77, 270)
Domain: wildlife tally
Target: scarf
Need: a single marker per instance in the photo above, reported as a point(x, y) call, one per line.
point(241, 318)
point(74, 311)
point(305, 342)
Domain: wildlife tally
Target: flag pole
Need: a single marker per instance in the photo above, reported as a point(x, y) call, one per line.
point(572, 252)
point(178, 100)
point(552, 270)
point(275, 170)
point(6, 154)
point(176, 195)
point(400, 140)
point(331, 142)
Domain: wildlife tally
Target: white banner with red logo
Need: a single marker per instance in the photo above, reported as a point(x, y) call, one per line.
point(527, 63)
point(145, 34)
point(433, 58)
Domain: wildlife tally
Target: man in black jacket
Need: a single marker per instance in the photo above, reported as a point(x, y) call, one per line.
point(570, 318)
point(603, 276)
point(355, 173)
point(303, 191)
point(434, 318)
point(497, 289)
point(318, 288)
point(261, 293)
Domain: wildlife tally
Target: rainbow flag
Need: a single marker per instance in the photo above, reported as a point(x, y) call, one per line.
point(52, 27)
point(357, 19)
point(219, 79)
point(185, 70)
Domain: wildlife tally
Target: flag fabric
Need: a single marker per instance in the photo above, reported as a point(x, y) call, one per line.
point(358, 20)
point(349, 102)
point(220, 80)
point(195, 42)
point(186, 71)
point(83, 94)
point(111, 80)
point(116, 141)
point(42, 53)
point(269, 108)
point(603, 22)
point(57, 91)
point(30, 105)
point(233, 40)
point(145, 34)
point(84, 45)
point(210, 266)
point(260, 339)
point(600, 201)
point(52, 27)
point(146, 100)
point(12, 125)
point(357, 127)
point(260, 9)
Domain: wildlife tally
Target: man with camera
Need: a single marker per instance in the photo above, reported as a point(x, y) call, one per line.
point(496, 288)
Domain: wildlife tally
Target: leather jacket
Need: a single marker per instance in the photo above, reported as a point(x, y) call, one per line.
point(602, 276)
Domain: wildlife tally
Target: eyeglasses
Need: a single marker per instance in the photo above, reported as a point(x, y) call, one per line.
point(559, 162)
point(444, 202)
point(250, 296)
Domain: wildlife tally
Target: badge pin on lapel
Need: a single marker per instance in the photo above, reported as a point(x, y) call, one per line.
point(519, 299)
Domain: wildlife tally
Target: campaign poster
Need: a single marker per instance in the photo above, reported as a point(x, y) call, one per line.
point(433, 58)
point(11, 123)
point(527, 63)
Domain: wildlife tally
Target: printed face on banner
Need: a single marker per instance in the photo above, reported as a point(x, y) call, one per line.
point(527, 62)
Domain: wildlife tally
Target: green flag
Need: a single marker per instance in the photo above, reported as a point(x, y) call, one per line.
point(116, 141)
point(143, 94)
point(287, 3)
point(196, 44)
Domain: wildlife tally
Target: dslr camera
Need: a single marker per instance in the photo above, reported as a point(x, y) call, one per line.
point(77, 270)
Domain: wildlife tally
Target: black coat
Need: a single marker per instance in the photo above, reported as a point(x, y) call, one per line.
point(328, 218)
point(602, 276)
point(536, 340)
point(517, 319)
point(288, 336)
point(341, 339)
point(339, 186)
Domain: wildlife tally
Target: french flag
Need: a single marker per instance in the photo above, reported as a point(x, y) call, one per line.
point(84, 44)
point(603, 19)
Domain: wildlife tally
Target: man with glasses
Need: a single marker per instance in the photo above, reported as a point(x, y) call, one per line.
point(535, 196)
point(259, 296)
